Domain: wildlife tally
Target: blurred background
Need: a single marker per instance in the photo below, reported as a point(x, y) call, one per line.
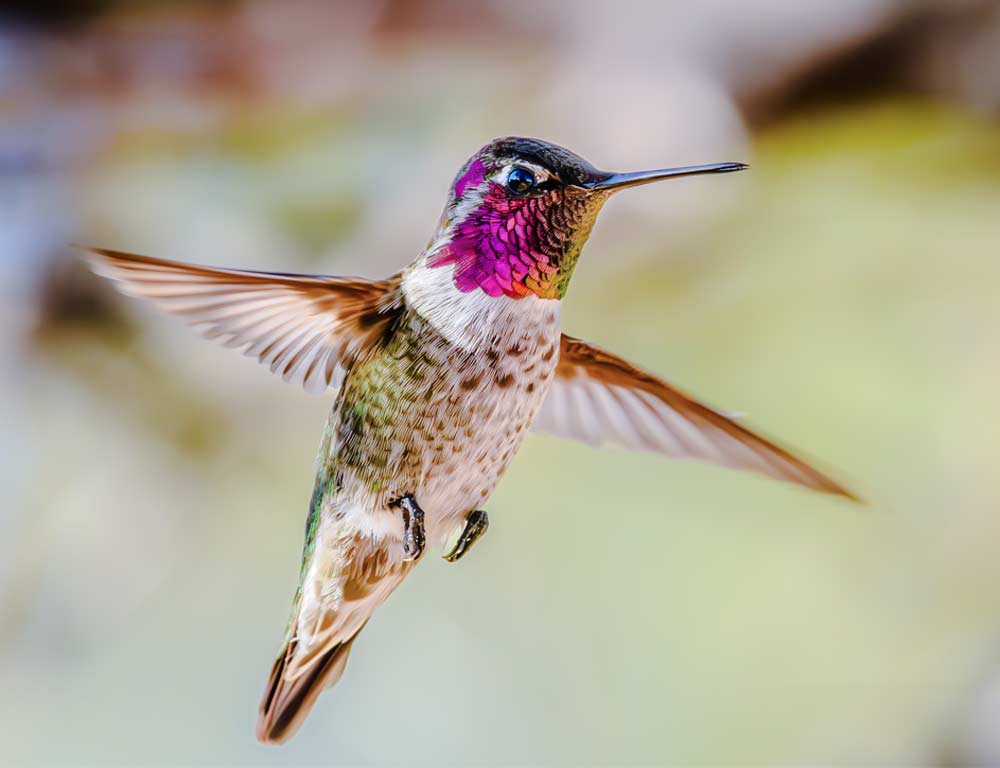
point(624, 609)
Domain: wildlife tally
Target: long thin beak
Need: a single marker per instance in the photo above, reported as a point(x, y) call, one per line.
point(621, 180)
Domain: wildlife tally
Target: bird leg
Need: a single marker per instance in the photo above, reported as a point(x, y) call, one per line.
point(475, 526)
point(413, 522)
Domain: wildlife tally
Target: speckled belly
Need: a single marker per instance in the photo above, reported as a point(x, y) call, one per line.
point(421, 416)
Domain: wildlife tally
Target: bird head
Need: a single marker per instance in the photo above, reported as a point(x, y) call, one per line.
point(519, 212)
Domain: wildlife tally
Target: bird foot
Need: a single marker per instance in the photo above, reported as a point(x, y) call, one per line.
point(413, 522)
point(475, 526)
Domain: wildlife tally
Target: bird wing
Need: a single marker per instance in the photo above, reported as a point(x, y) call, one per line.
point(305, 327)
point(598, 397)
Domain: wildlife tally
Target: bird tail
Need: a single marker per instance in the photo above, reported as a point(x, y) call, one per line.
point(287, 700)
point(320, 635)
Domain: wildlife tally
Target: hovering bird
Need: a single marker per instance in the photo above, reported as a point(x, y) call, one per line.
point(438, 372)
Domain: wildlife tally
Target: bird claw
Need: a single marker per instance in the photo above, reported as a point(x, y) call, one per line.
point(413, 522)
point(475, 526)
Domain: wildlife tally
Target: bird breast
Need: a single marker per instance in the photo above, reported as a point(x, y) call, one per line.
point(441, 409)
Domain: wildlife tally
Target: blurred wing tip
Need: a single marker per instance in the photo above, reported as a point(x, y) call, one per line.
point(101, 260)
point(836, 489)
point(827, 485)
point(89, 252)
point(93, 256)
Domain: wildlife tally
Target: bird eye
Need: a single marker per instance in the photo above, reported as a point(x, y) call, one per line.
point(520, 180)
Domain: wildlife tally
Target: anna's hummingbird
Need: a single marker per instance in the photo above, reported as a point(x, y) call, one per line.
point(438, 373)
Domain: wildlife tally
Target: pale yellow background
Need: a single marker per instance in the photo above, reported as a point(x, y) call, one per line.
point(624, 609)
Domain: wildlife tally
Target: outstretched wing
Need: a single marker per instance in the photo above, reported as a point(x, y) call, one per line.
point(597, 397)
point(305, 327)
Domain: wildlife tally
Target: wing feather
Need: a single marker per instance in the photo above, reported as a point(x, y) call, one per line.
point(306, 328)
point(598, 397)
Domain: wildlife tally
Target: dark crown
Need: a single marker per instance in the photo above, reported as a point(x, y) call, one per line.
point(566, 165)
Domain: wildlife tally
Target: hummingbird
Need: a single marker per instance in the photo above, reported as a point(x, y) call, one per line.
point(437, 373)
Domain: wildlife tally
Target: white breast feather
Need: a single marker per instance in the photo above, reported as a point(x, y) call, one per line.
point(468, 320)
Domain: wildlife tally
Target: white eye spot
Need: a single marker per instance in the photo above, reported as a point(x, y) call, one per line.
point(541, 175)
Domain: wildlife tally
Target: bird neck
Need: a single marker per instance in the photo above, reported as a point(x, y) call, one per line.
point(514, 248)
point(472, 320)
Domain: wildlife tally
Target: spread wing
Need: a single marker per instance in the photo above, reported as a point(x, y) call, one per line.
point(305, 327)
point(597, 397)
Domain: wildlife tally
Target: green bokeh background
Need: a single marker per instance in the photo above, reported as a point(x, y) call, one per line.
point(624, 609)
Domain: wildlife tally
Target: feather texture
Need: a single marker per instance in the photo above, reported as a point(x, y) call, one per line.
point(348, 573)
point(306, 328)
point(597, 397)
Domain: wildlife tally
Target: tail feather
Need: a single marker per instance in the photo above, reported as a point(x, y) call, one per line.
point(346, 576)
point(287, 701)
